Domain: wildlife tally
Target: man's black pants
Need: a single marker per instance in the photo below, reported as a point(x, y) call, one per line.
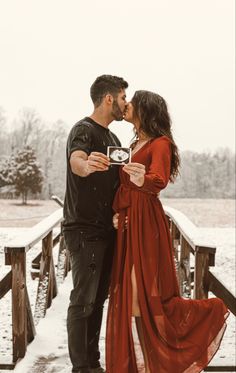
point(91, 266)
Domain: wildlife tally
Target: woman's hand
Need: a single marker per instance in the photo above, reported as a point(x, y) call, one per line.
point(136, 171)
point(115, 221)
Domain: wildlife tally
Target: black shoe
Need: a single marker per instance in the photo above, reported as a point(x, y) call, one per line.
point(97, 370)
point(82, 370)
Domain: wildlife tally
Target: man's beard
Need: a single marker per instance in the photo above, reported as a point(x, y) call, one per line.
point(116, 111)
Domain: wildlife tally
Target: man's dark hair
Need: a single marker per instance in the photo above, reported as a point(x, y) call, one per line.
point(104, 85)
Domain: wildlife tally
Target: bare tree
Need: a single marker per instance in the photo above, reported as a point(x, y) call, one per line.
point(52, 157)
point(28, 131)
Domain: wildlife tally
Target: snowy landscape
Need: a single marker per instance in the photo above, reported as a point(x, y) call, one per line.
point(48, 352)
point(51, 54)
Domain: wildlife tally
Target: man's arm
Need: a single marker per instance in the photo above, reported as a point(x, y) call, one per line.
point(84, 165)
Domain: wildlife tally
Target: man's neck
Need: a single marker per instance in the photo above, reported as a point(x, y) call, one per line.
point(101, 118)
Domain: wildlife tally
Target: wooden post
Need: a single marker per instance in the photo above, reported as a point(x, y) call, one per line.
point(49, 269)
point(47, 288)
point(35, 266)
point(19, 314)
point(201, 273)
point(184, 268)
point(168, 221)
point(30, 320)
point(175, 236)
point(63, 263)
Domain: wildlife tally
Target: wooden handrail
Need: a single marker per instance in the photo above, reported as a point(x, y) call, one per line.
point(5, 284)
point(220, 290)
point(189, 231)
point(23, 322)
point(34, 234)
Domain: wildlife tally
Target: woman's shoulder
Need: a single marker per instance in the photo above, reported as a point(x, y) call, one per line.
point(162, 140)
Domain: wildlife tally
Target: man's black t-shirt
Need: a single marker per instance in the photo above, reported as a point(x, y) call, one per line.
point(88, 200)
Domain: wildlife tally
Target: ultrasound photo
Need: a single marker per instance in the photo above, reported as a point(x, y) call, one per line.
point(118, 155)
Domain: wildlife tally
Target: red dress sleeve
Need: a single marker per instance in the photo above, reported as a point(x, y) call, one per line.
point(158, 173)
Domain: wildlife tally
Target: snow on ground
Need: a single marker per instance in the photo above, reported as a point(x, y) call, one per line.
point(51, 340)
point(224, 240)
point(14, 214)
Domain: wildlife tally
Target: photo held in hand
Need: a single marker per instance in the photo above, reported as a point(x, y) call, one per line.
point(118, 155)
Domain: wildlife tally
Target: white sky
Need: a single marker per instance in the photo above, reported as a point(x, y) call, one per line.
point(52, 50)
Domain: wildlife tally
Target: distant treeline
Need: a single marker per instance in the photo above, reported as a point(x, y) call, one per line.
point(202, 175)
point(205, 175)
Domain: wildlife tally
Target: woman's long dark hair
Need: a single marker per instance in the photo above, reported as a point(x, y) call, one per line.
point(152, 112)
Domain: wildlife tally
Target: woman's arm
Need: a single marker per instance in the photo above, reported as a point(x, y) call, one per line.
point(156, 177)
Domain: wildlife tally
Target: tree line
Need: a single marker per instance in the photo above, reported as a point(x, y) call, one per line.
point(33, 163)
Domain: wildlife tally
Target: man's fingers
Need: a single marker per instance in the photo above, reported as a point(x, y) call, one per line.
point(99, 160)
point(99, 157)
point(99, 154)
point(97, 165)
point(92, 169)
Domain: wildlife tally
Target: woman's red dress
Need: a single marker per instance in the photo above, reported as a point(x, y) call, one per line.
point(181, 335)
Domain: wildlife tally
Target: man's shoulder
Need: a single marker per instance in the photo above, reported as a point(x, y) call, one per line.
point(83, 125)
point(85, 122)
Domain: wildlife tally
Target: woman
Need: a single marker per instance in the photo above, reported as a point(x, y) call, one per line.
point(176, 335)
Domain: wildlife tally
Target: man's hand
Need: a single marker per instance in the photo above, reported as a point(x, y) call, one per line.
point(97, 162)
point(84, 165)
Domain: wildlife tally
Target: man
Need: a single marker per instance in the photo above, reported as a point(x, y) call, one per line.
point(87, 226)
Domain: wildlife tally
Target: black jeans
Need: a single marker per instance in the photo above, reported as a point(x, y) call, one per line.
point(91, 266)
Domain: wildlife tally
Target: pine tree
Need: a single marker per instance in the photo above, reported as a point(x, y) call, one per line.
point(24, 172)
point(29, 176)
point(7, 171)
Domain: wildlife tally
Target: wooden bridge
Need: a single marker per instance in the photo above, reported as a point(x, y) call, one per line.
point(193, 257)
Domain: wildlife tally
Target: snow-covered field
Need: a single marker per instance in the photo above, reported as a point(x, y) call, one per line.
point(48, 352)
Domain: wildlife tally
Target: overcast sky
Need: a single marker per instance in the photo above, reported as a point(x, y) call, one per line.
point(52, 51)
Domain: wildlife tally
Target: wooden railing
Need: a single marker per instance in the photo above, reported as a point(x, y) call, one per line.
point(23, 320)
point(195, 277)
